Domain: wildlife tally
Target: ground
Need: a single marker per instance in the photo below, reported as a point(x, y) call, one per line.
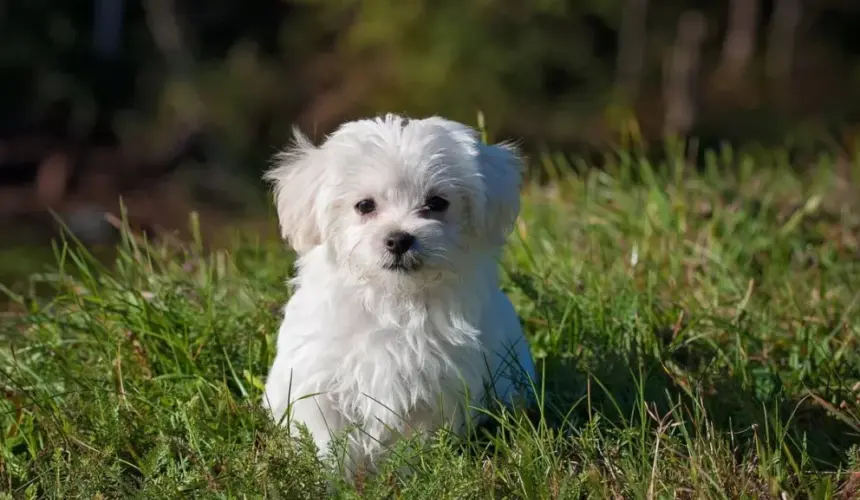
point(696, 331)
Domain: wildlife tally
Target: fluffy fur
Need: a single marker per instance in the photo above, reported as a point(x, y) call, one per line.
point(380, 344)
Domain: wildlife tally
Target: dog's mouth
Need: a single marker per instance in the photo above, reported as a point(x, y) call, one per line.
point(403, 265)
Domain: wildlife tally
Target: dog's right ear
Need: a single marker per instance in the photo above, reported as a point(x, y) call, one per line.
point(297, 179)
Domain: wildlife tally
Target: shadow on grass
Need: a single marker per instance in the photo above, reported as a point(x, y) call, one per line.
point(619, 387)
point(760, 407)
point(628, 391)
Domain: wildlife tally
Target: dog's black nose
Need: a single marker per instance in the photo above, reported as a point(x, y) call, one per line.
point(399, 242)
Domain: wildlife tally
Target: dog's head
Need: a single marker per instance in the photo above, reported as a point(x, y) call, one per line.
point(398, 200)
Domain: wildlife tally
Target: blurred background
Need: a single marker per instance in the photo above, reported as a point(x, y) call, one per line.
point(176, 105)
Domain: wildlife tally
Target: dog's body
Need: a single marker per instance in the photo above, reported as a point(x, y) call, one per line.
point(397, 323)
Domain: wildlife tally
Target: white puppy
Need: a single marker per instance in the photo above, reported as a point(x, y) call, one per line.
point(397, 323)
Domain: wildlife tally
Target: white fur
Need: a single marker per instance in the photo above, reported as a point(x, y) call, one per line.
point(376, 352)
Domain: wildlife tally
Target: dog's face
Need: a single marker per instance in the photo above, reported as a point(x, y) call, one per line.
point(397, 201)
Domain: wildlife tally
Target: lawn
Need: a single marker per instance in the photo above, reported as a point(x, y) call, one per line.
point(696, 329)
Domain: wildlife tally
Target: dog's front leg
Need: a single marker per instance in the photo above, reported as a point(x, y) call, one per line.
point(321, 419)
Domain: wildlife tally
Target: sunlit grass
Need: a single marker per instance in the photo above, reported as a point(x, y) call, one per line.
point(697, 333)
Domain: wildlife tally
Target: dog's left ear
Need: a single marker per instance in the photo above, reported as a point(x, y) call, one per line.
point(297, 177)
point(501, 167)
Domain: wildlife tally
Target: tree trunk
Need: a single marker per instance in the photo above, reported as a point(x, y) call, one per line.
point(632, 39)
point(682, 67)
point(782, 39)
point(740, 41)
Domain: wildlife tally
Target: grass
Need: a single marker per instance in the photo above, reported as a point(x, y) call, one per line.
point(697, 332)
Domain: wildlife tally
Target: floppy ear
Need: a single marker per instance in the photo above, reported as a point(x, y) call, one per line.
point(297, 179)
point(501, 167)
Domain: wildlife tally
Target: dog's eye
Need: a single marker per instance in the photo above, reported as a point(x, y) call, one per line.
point(365, 206)
point(436, 204)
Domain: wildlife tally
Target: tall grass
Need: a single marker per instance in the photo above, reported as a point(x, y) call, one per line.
point(696, 331)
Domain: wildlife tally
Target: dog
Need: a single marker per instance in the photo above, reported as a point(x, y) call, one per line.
point(397, 324)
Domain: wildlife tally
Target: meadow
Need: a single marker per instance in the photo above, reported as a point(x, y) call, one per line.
point(696, 330)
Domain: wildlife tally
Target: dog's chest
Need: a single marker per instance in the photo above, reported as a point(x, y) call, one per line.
point(412, 373)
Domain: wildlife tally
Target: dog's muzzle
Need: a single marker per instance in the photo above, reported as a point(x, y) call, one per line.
point(402, 255)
